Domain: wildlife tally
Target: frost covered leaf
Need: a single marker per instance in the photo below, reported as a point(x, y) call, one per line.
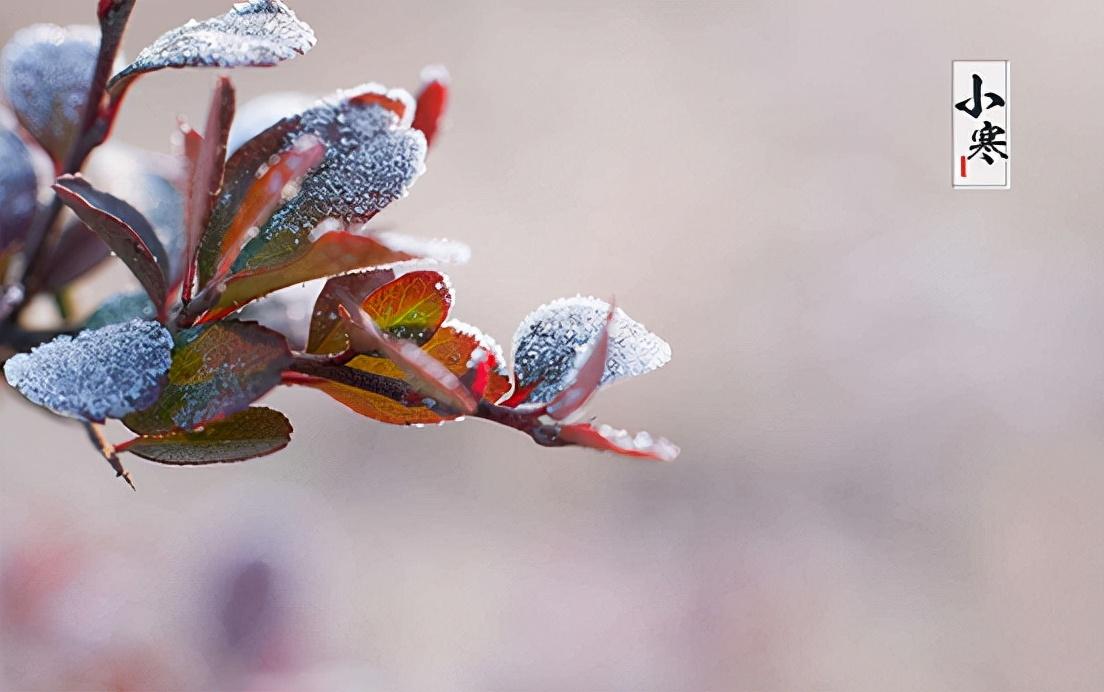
point(327, 334)
point(254, 432)
point(608, 439)
point(46, 73)
point(372, 158)
point(549, 341)
point(217, 369)
point(101, 373)
point(432, 100)
point(588, 374)
point(18, 189)
point(453, 345)
point(122, 307)
point(123, 228)
point(257, 33)
point(333, 253)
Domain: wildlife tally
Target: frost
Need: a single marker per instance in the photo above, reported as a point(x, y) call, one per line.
point(46, 70)
point(18, 189)
point(549, 342)
point(122, 307)
point(101, 373)
point(372, 159)
point(261, 32)
point(259, 114)
point(426, 249)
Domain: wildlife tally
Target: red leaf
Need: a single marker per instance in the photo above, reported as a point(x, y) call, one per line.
point(266, 194)
point(607, 439)
point(334, 253)
point(587, 376)
point(326, 333)
point(432, 101)
point(206, 176)
point(427, 375)
point(123, 228)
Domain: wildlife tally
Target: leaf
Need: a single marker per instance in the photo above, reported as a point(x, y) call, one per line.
point(122, 307)
point(591, 365)
point(47, 72)
point(150, 182)
point(205, 175)
point(123, 228)
point(327, 333)
point(266, 194)
point(217, 369)
point(426, 376)
point(432, 100)
point(412, 306)
point(18, 189)
point(372, 158)
point(548, 340)
point(333, 253)
point(608, 439)
point(101, 373)
point(253, 432)
point(78, 251)
point(453, 345)
point(257, 33)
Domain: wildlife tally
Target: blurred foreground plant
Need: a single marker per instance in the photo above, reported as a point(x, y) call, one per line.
point(207, 234)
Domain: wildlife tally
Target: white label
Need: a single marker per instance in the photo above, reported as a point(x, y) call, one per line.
point(981, 124)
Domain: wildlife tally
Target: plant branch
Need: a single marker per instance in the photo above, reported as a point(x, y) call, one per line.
point(96, 435)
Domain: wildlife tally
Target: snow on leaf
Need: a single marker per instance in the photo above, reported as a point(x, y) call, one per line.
point(18, 189)
point(256, 33)
point(101, 373)
point(46, 71)
point(247, 434)
point(217, 369)
point(549, 342)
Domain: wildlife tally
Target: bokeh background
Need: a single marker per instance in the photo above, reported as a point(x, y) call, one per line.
point(889, 394)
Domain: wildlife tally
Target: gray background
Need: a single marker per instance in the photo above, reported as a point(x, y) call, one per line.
point(889, 394)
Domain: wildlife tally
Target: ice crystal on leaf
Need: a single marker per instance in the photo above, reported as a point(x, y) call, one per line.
point(101, 373)
point(261, 32)
point(549, 342)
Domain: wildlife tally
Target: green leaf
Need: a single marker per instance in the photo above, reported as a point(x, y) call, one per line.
point(217, 369)
point(254, 432)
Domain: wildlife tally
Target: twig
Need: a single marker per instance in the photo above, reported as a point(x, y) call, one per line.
point(96, 435)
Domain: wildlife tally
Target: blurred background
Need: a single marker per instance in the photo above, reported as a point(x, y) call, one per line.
point(889, 394)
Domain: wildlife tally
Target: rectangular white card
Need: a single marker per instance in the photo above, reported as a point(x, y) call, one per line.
point(981, 124)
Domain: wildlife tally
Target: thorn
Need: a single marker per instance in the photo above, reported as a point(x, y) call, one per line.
point(107, 450)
